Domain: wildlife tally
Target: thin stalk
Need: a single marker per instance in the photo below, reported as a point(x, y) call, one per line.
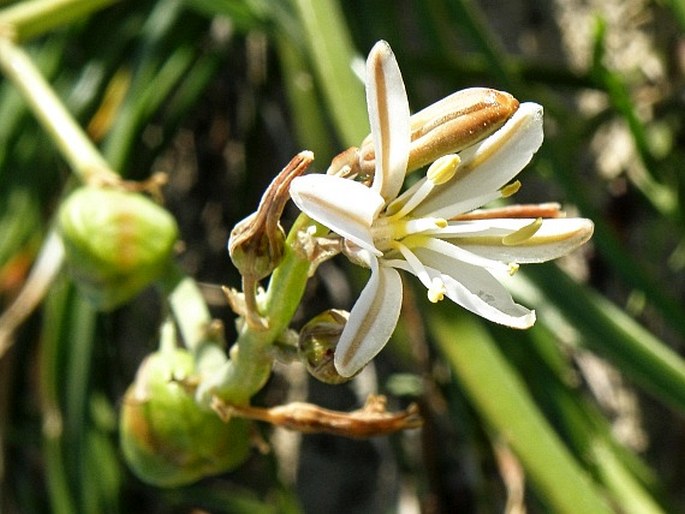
point(630, 496)
point(304, 98)
point(83, 157)
point(475, 24)
point(60, 493)
point(45, 269)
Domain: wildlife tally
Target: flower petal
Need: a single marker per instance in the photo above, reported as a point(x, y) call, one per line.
point(473, 288)
point(346, 207)
point(457, 252)
point(388, 108)
point(372, 320)
point(488, 165)
point(555, 238)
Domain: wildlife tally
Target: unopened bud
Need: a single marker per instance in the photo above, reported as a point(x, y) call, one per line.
point(168, 439)
point(448, 126)
point(116, 242)
point(318, 339)
point(255, 248)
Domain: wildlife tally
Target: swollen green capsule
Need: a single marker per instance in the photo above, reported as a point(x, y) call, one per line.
point(168, 439)
point(317, 342)
point(116, 242)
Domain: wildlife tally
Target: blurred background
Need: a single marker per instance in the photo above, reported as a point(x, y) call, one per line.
point(220, 94)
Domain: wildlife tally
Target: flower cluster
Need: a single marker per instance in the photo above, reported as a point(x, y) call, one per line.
point(435, 229)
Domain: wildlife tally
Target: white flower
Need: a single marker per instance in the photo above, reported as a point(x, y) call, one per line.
point(434, 229)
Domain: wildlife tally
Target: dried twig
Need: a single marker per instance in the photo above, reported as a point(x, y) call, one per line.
point(371, 420)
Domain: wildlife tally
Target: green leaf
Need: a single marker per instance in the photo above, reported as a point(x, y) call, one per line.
point(606, 329)
point(332, 54)
point(501, 398)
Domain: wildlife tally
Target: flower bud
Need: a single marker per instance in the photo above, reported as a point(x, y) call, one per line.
point(166, 437)
point(116, 242)
point(318, 339)
point(448, 126)
point(255, 248)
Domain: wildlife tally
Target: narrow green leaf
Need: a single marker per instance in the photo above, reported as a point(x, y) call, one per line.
point(500, 396)
point(305, 102)
point(32, 18)
point(627, 491)
point(605, 328)
point(332, 54)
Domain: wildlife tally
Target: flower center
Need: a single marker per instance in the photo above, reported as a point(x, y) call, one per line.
point(396, 222)
point(387, 230)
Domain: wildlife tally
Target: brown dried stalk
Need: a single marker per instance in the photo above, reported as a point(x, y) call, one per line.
point(371, 420)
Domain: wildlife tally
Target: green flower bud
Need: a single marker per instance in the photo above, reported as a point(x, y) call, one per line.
point(168, 439)
point(116, 242)
point(318, 339)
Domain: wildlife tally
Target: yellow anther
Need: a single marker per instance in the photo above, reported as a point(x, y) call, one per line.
point(510, 189)
point(443, 169)
point(513, 268)
point(523, 234)
point(441, 222)
point(437, 290)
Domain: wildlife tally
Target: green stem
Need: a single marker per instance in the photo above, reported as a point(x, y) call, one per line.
point(304, 99)
point(83, 157)
point(28, 19)
point(60, 494)
point(251, 357)
point(290, 278)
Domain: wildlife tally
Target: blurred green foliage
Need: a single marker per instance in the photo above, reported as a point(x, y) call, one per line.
point(220, 94)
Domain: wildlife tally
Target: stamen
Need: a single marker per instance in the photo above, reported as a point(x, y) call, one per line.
point(468, 205)
point(437, 290)
point(443, 169)
point(422, 225)
point(415, 264)
point(454, 251)
point(399, 202)
point(523, 234)
point(513, 268)
point(510, 189)
point(412, 202)
point(440, 172)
